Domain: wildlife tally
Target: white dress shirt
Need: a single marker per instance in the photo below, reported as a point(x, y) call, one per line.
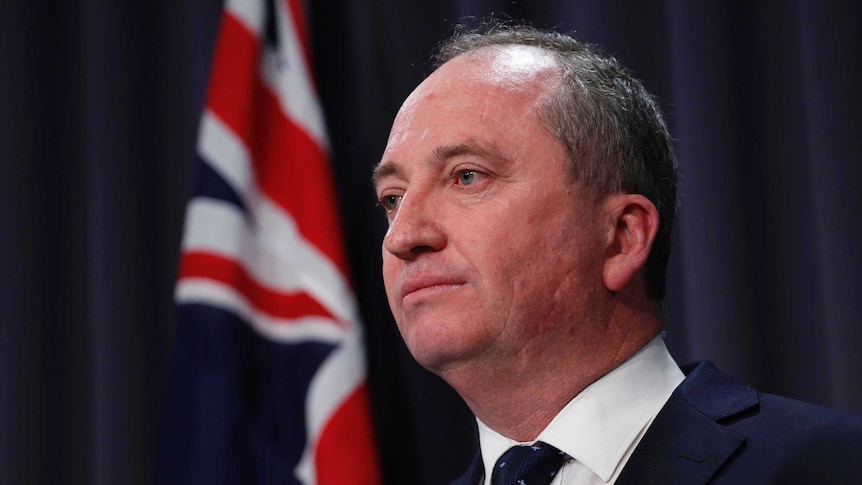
point(600, 428)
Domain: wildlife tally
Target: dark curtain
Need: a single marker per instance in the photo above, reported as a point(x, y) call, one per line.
point(99, 104)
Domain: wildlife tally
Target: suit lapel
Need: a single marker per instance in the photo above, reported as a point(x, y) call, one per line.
point(687, 442)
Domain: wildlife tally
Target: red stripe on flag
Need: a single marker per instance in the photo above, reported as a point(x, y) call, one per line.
point(345, 452)
point(291, 168)
point(199, 264)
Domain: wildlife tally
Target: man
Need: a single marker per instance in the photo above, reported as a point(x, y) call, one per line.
point(530, 187)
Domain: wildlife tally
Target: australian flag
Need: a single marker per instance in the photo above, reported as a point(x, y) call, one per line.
point(268, 383)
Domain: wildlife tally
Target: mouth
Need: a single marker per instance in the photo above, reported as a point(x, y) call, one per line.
point(415, 289)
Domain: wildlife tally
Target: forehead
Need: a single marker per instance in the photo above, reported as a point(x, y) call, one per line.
point(523, 72)
point(489, 96)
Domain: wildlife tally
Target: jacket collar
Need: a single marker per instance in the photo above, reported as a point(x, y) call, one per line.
point(687, 442)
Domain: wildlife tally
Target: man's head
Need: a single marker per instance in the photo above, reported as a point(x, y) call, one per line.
point(515, 190)
point(611, 127)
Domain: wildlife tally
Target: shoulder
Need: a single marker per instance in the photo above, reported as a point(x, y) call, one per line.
point(735, 405)
point(800, 420)
point(785, 440)
point(715, 430)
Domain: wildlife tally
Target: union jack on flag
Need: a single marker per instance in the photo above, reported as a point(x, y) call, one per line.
point(268, 384)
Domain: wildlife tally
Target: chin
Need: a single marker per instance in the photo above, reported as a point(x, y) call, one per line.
point(438, 357)
point(429, 357)
point(439, 342)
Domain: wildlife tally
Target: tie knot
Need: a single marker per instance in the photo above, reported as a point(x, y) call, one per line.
point(534, 464)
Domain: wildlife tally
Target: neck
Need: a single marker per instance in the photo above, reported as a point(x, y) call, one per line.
point(519, 395)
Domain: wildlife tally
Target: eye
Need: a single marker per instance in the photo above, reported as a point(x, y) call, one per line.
point(390, 203)
point(466, 177)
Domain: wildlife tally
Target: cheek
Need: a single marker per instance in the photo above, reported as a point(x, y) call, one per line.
point(555, 270)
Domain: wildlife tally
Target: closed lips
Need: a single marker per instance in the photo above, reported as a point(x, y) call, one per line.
point(411, 286)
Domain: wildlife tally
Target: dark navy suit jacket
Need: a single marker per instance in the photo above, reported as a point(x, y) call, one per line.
point(716, 430)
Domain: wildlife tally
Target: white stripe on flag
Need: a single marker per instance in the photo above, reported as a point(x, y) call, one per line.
point(250, 13)
point(226, 154)
point(288, 76)
point(281, 260)
point(337, 378)
point(298, 330)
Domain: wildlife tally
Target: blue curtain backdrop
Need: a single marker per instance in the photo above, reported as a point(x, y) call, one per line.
point(99, 104)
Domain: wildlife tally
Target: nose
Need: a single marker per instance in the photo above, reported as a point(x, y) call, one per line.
point(415, 229)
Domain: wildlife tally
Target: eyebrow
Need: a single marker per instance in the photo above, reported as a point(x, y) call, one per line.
point(389, 168)
point(382, 170)
point(450, 151)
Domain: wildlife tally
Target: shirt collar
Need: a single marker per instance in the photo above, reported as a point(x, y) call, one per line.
point(601, 424)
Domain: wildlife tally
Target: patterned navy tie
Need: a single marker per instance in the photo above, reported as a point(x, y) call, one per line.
point(528, 465)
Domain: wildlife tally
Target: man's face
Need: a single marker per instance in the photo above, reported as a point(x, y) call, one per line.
point(492, 253)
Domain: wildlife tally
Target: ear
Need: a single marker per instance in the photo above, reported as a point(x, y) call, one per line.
point(634, 221)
